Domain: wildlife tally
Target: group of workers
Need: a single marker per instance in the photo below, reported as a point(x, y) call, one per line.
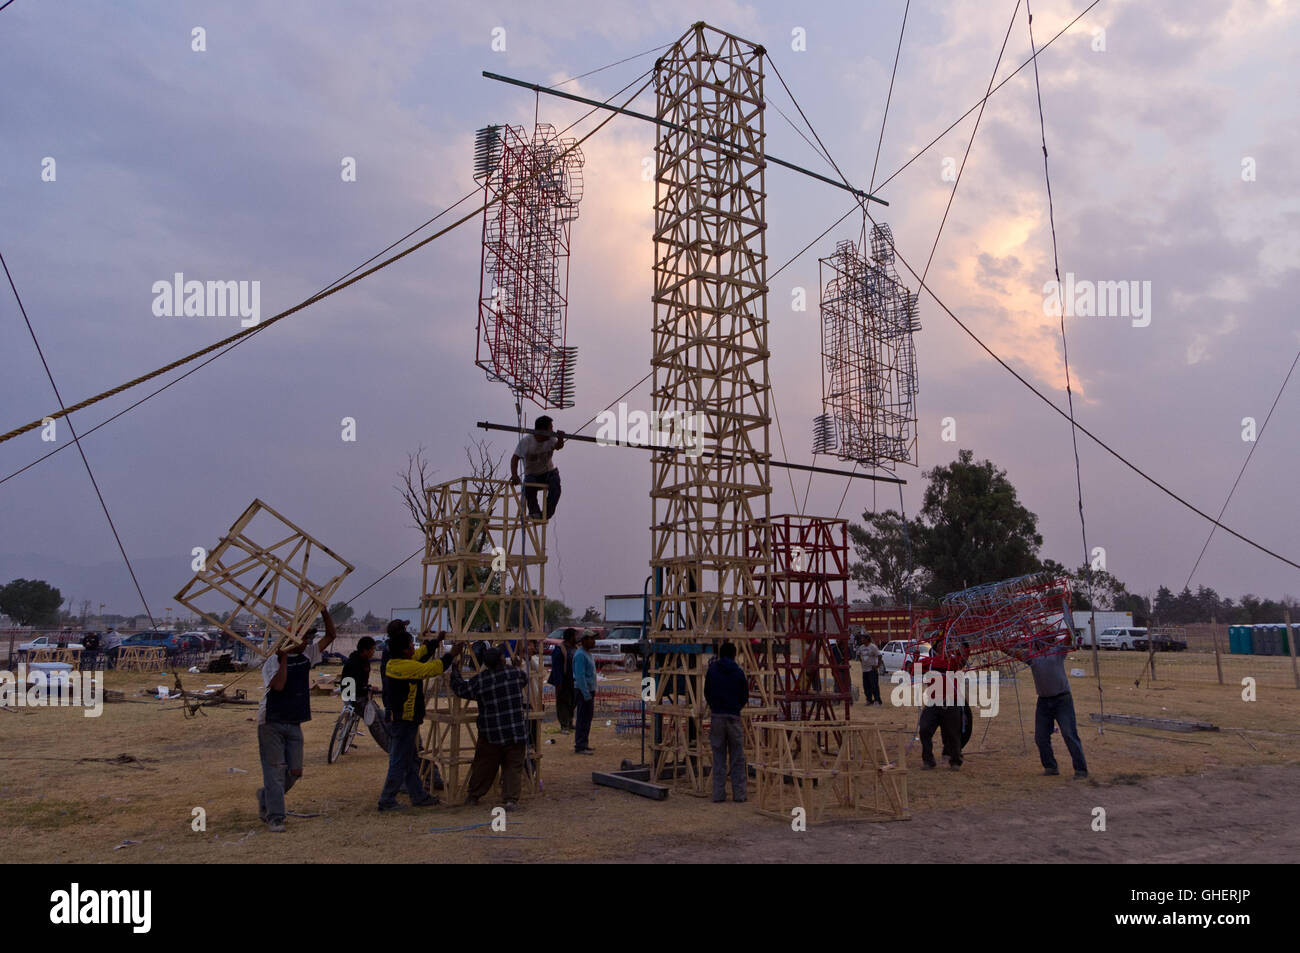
point(498, 687)
point(1045, 656)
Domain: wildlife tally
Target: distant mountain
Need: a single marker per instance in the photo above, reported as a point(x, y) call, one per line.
point(161, 577)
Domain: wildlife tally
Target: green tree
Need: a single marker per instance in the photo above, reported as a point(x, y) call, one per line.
point(341, 612)
point(976, 530)
point(591, 615)
point(556, 612)
point(886, 547)
point(372, 623)
point(31, 602)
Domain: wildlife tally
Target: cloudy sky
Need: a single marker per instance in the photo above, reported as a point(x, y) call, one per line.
point(1174, 139)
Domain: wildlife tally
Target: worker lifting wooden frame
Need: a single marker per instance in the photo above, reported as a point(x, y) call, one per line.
point(710, 367)
point(832, 770)
point(484, 565)
point(262, 560)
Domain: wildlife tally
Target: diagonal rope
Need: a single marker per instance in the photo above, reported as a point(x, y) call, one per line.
point(314, 298)
point(86, 462)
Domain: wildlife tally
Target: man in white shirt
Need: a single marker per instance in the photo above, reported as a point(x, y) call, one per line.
point(286, 704)
point(535, 451)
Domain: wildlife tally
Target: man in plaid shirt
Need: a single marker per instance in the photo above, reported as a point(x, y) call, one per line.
point(502, 727)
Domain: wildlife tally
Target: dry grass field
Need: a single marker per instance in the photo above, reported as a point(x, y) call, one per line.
point(1226, 795)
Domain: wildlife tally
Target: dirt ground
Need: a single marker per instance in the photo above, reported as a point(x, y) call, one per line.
point(1210, 796)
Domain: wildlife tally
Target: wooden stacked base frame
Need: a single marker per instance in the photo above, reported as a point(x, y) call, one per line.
point(138, 659)
point(833, 770)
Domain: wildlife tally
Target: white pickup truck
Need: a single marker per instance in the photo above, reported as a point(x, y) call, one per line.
point(895, 654)
point(1121, 637)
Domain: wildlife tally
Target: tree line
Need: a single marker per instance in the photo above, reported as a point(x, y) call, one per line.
point(972, 529)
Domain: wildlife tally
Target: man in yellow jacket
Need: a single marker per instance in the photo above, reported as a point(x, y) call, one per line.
point(403, 678)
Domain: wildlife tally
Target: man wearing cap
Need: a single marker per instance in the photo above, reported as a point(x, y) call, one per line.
point(286, 704)
point(403, 679)
point(584, 693)
point(535, 451)
point(502, 725)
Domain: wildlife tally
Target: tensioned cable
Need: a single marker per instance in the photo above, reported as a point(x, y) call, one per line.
point(971, 141)
point(89, 472)
point(227, 350)
point(1069, 390)
point(880, 141)
point(1008, 79)
point(1242, 471)
point(1048, 401)
point(309, 301)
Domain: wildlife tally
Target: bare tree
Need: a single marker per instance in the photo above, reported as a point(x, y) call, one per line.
point(413, 486)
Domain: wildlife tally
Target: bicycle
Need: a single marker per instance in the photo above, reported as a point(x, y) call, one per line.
point(348, 725)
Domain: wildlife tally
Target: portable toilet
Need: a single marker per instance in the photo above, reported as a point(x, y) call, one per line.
point(1237, 640)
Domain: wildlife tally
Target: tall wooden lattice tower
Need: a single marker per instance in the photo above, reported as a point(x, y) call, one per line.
point(710, 361)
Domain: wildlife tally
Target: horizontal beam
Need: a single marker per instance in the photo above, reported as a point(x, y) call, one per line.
point(511, 428)
point(866, 196)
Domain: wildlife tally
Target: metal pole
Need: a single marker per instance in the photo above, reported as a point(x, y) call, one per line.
point(1290, 638)
point(663, 122)
point(485, 425)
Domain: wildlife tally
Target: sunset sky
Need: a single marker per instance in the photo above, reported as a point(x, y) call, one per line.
point(1173, 133)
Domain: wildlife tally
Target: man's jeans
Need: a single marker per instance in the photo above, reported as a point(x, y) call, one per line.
point(1058, 709)
point(403, 764)
point(564, 705)
point(947, 719)
point(870, 687)
point(727, 739)
point(552, 483)
point(280, 747)
point(586, 711)
point(488, 758)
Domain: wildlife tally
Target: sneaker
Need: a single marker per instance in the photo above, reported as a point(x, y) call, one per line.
point(1081, 775)
point(261, 804)
point(739, 800)
point(511, 806)
point(719, 800)
point(584, 751)
point(954, 765)
point(927, 765)
point(1050, 772)
point(275, 826)
point(430, 801)
point(388, 806)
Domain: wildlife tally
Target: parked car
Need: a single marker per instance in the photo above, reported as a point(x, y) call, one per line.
point(49, 642)
point(1159, 642)
point(207, 642)
point(169, 641)
point(901, 653)
point(1121, 637)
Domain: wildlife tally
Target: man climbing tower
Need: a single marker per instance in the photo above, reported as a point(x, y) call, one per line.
point(535, 451)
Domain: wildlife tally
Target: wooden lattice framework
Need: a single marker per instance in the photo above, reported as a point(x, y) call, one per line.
point(263, 560)
point(809, 587)
point(709, 364)
point(833, 770)
point(136, 658)
point(484, 580)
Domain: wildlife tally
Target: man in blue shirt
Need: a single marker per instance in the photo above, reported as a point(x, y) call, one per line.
point(726, 689)
point(1046, 663)
point(584, 693)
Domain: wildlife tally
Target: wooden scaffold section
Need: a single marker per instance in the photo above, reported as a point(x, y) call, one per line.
point(267, 567)
point(831, 770)
point(709, 363)
point(484, 566)
point(809, 587)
